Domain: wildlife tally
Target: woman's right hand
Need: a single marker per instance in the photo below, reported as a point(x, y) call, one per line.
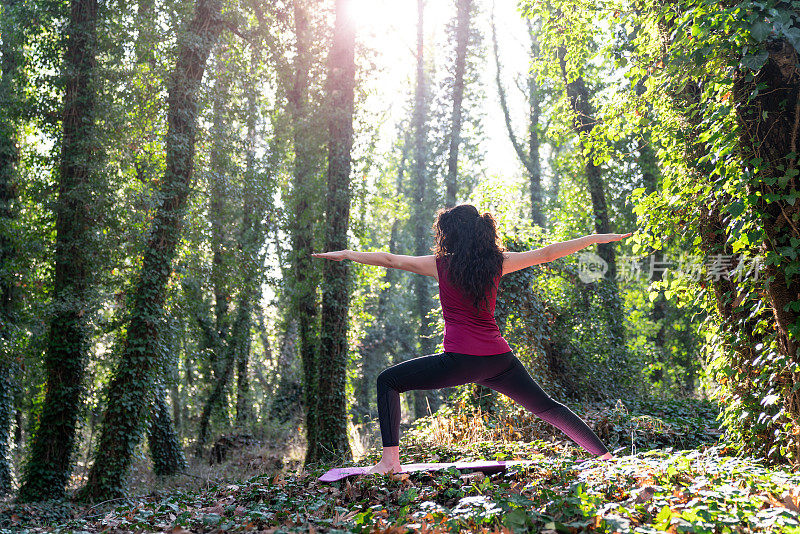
point(607, 238)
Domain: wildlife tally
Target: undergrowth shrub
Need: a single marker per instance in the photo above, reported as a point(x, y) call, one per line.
point(635, 425)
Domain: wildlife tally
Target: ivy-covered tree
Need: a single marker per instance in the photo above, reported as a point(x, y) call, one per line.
point(131, 387)
point(49, 463)
point(10, 71)
point(462, 33)
point(340, 88)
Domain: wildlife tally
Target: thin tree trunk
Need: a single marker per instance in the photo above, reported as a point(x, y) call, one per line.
point(534, 162)
point(131, 387)
point(49, 464)
point(530, 159)
point(333, 444)
point(462, 39)
point(177, 408)
point(219, 212)
point(585, 122)
point(422, 216)
point(19, 422)
point(238, 343)
point(220, 186)
point(244, 402)
point(6, 416)
point(250, 241)
point(284, 401)
point(217, 394)
point(648, 166)
point(375, 344)
point(165, 448)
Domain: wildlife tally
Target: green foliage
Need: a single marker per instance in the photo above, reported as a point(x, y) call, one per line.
point(536, 308)
point(167, 454)
point(688, 491)
point(696, 88)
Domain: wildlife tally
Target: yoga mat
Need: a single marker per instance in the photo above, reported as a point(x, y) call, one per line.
point(485, 466)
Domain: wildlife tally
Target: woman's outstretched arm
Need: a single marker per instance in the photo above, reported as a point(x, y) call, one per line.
point(514, 261)
point(425, 265)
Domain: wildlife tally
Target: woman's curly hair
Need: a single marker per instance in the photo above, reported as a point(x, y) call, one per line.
point(469, 240)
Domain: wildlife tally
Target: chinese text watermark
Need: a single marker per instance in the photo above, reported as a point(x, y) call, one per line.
point(592, 267)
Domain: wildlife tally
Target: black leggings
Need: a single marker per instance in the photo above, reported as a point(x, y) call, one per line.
point(502, 372)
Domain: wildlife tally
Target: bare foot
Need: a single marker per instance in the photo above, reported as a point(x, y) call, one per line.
point(607, 456)
point(383, 468)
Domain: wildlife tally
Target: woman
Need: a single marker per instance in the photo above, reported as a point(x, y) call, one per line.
point(468, 263)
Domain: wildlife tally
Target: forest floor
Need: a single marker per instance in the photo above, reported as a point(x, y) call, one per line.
point(671, 476)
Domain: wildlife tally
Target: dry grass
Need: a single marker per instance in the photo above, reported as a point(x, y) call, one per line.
point(465, 426)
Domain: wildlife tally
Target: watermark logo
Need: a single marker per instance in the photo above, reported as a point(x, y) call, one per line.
point(591, 267)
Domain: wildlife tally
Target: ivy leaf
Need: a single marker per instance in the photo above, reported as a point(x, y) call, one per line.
point(760, 30)
point(736, 209)
point(755, 60)
point(664, 518)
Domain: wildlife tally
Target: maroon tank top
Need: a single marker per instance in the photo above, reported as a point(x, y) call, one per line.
point(468, 330)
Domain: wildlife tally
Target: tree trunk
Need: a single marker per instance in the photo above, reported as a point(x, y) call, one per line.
point(333, 444)
point(49, 464)
point(585, 121)
point(219, 210)
point(250, 241)
point(376, 346)
point(10, 49)
point(768, 112)
point(534, 162)
point(422, 216)
point(177, 408)
point(244, 401)
point(530, 159)
point(6, 416)
point(165, 449)
point(288, 392)
point(132, 383)
point(219, 335)
point(739, 325)
point(648, 166)
point(462, 39)
point(303, 218)
point(217, 394)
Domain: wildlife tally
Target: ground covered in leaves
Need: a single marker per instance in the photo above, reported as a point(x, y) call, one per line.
point(705, 489)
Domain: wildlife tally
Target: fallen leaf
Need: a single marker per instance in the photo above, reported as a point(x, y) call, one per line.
point(399, 476)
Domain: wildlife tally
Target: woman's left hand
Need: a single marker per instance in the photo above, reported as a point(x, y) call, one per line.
point(337, 255)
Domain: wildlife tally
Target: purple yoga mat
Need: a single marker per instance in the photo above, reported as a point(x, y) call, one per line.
point(482, 465)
